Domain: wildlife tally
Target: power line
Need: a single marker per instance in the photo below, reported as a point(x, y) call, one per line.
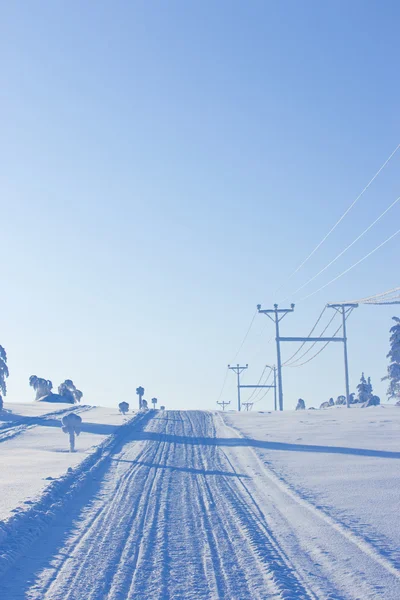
point(345, 250)
point(315, 355)
point(381, 298)
point(239, 349)
point(339, 221)
point(311, 347)
point(262, 397)
point(346, 316)
point(256, 392)
point(223, 387)
point(352, 266)
point(245, 337)
point(311, 332)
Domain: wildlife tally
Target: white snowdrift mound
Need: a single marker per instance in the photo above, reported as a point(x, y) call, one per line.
point(196, 505)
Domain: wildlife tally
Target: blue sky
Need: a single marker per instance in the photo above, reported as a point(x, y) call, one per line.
point(167, 165)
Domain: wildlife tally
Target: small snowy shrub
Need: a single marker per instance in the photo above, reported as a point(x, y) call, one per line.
point(123, 407)
point(71, 424)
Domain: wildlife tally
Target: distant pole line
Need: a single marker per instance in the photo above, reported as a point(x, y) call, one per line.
point(238, 370)
point(278, 315)
point(223, 404)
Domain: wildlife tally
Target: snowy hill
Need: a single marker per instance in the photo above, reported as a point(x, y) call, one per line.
point(199, 504)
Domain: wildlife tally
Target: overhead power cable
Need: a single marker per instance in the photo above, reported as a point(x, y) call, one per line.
point(237, 353)
point(389, 297)
point(352, 266)
point(293, 364)
point(309, 335)
point(339, 220)
point(315, 355)
point(257, 391)
point(223, 386)
point(246, 336)
point(263, 396)
point(345, 249)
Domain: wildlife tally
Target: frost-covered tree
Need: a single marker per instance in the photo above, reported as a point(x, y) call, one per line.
point(301, 405)
point(328, 404)
point(144, 404)
point(69, 393)
point(3, 375)
point(162, 407)
point(154, 402)
point(140, 393)
point(364, 390)
point(41, 386)
point(72, 424)
point(123, 407)
point(365, 393)
point(393, 372)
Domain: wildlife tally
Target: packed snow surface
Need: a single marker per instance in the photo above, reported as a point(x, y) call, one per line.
point(202, 505)
point(33, 448)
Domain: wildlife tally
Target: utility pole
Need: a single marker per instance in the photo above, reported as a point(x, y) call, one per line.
point(279, 314)
point(248, 405)
point(238, 370)
point(223, 404)
point(345, 310)
point(273, 369)
point(275, 405)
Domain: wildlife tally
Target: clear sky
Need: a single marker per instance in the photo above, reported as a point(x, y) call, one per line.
point(166, 165)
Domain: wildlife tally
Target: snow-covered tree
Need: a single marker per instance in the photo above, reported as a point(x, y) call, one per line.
point(301, 405)
point(3, 375)
point(140, 393)
point(69, 393)
point(41, 386)
point(144, 404)
point(364, 389)
point(154, 402)
point(365, 395)
point(123, 407)
point(71, 424)
point(162, 407)
point(393, 374)
point(328, 404)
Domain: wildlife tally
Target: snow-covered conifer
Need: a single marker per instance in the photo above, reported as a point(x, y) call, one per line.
point(3, 375)
point(394, 367)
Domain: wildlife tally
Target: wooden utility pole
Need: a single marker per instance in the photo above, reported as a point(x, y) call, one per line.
point(223, 404)
point(345, 310)
point(278, 315)
point(238, 370)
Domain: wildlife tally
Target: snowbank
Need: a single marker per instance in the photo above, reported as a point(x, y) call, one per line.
point(19, 531)
point(345, 462)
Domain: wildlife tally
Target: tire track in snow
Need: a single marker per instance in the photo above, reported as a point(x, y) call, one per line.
point(323, 553)
point(8, 432)
point(119, 514)
point(187, 541)
point(241, 522)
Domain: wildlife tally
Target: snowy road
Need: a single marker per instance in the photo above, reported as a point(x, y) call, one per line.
point(185, 509)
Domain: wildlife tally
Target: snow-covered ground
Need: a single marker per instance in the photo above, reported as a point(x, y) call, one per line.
point(203, 505)
point(345, 462)
point(34, 450)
